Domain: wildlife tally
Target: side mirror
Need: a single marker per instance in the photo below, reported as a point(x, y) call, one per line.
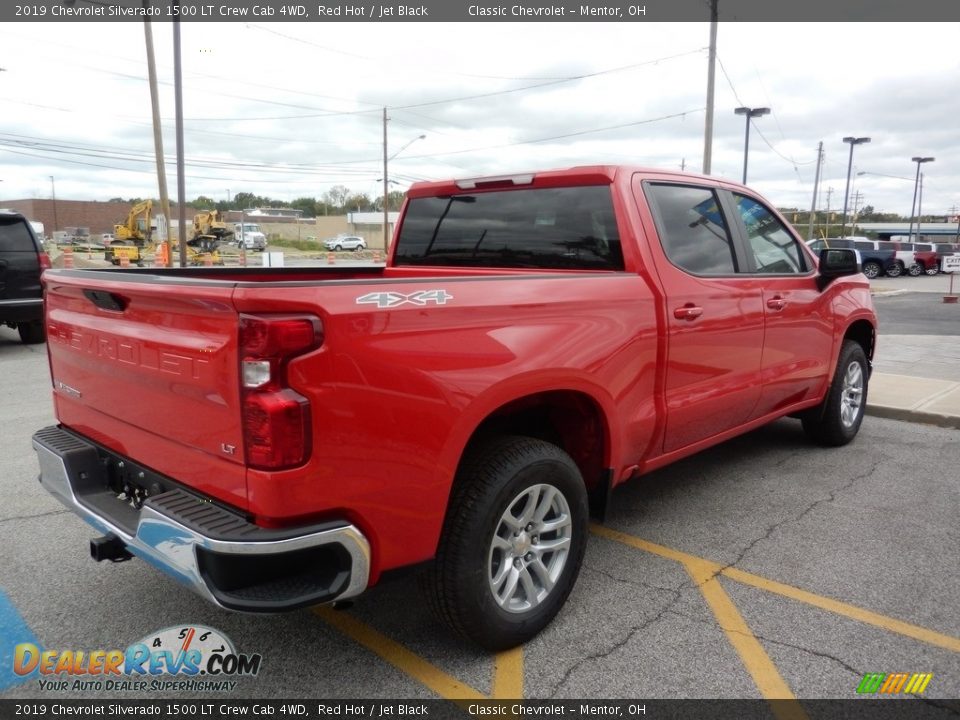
point(834, 263)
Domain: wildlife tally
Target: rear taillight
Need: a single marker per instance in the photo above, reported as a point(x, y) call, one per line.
point(44, 261)
point(276, 419)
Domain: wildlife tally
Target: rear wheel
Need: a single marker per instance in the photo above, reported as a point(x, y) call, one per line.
point(837, 419)
point(932, 269)
point(895, 269)
point(31, 333)
point(915, 270)
point(512, 542)
point(872, 269)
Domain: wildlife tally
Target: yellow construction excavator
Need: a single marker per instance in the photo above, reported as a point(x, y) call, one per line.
point(209, 230)
point(132, 238)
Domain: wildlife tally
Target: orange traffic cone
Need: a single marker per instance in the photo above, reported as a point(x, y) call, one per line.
point(331, 259)
point(68, 257)
point(124, 261)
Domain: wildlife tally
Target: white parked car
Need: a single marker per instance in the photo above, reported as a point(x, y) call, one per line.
point(347, 242)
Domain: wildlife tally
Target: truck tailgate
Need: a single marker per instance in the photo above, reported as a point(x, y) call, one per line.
point(153, 362)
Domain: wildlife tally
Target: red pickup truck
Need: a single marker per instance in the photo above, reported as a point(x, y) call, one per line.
point(279, 437)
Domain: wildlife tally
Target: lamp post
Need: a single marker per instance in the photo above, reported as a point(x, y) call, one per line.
point(846, 195)
point(53, 194)
point(916, 185)
point(750, 113)
point(386, 181)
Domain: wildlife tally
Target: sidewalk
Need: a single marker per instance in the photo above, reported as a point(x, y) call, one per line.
point(914, 399)
point(916, 378)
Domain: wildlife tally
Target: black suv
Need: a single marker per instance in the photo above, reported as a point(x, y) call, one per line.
point(22, 259)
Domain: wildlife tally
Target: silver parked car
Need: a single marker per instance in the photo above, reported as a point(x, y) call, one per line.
point(347, 242)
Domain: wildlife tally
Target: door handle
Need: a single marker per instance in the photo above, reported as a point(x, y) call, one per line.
point(688, 312)
point(776, 303)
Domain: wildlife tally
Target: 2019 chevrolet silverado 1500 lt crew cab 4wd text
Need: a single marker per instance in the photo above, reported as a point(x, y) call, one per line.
point(279, 437)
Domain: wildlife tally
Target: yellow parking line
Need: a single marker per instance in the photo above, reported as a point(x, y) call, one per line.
point(853, 612)
point(761, 668)
point(444, 685)
point(508, 675)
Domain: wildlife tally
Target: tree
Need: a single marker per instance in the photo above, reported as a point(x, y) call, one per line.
point(358, 202)
point(202, 202)
point(307, 205)
point(336, 197)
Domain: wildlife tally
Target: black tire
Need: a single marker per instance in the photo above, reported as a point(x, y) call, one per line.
point(932, 269)
point(338, 248)
point(837, 419)
point(915, 270)
point(359, 248)
point(32, 333)
point(500, 478)
point(872, 269)
point(895, 269)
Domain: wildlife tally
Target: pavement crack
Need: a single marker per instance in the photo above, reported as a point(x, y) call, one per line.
point(631, 633)
point(832, 495)
point(635, 583)
point(32, 517)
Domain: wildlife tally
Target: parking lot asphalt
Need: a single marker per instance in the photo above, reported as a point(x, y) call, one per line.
point(762, 568)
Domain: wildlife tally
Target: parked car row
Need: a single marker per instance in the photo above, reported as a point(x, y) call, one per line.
point(891, 257)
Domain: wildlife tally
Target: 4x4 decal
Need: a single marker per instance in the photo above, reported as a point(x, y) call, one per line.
point(394, 299)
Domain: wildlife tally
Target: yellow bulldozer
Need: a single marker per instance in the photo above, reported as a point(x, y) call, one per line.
point(132, 239)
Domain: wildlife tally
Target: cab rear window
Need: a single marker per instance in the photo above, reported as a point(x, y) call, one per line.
point(15, 236)
point(558, 228)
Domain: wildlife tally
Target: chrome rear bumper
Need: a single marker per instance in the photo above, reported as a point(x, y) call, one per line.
point(211, 549)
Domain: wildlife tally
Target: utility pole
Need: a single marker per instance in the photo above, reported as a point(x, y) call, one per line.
point(711, 76)
point(816, 185)
point(386, 189)
point(181, 174)
point(157, 137)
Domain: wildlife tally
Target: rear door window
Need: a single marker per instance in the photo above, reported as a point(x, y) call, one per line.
point(15, 236)
point(694, 233)
point(559, 228)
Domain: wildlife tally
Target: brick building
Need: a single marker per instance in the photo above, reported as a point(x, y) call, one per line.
point(100, 217)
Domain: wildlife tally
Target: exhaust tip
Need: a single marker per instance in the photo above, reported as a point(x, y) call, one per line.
point(109, 547)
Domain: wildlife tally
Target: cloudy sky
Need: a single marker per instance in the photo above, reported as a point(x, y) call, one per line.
point(288, 110)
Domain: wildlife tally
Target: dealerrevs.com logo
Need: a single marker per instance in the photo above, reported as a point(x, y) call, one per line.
point(178, 658)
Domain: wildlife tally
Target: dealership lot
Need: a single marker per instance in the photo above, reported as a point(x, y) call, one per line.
point(763, 567)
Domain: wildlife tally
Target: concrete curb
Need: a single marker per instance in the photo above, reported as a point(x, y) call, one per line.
point(916, 416)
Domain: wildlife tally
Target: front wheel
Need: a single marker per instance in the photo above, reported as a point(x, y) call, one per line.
point(837, 419)
point(932, 269)
point(872, 269)
point(915, 270)
point(895, 269)
point(512, 542)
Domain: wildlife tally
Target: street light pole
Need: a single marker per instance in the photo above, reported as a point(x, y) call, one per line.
point(750, 113)
point(846, 195)
point(53, 193)
point(916, 185)
point(386, 181)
